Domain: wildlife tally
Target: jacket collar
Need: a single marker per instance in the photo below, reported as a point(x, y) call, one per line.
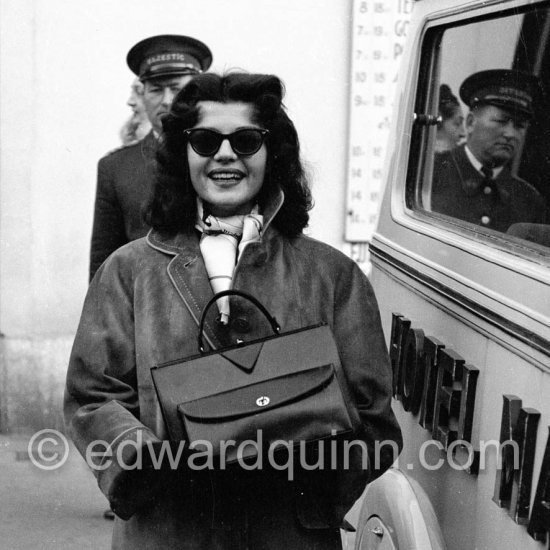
point(181, 243)
point(479, 166)
point(471, 179)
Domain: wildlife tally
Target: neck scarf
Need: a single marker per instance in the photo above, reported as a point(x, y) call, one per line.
point(222, 243)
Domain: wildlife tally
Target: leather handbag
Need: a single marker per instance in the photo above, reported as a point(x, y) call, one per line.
point(286, 387)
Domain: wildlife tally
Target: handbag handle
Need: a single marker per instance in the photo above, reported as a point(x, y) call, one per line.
point(272, 321)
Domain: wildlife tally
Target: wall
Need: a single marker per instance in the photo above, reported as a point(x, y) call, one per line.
point(63, 88)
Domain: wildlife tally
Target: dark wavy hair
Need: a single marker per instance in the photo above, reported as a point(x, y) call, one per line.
point(448, 102)
point(172, 207)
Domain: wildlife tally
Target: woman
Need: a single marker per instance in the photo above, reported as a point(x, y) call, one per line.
point(450, 131)
point(230, 161)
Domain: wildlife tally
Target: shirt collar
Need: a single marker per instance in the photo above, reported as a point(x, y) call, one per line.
point(477, 165)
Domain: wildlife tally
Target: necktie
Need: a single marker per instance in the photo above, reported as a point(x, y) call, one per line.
point(488, 186)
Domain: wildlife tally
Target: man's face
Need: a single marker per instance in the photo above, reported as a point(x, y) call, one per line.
point(158, 95)
point(494, 135)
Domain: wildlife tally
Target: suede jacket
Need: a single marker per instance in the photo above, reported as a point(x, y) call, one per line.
point(142, 309)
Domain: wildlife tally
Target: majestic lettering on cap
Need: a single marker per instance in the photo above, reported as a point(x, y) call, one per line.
point(514, 92)
point(166, 57)
point(503, 94)
point(525, 103)
point(169, 63)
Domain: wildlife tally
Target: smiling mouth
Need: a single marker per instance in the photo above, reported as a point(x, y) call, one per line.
point(226, 176)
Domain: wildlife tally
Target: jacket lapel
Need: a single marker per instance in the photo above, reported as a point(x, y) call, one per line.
point(188, 275)
point(469, 176)
point(149, 146)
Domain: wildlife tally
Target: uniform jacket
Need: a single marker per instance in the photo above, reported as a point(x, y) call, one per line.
point(457, 191)
point(143, 308)
point(124, 182)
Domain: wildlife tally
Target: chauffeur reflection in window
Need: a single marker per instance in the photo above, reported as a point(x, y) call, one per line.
point(474, 182)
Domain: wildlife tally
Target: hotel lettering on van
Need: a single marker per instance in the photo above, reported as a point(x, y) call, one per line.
point(435, 384)
point(461, 269)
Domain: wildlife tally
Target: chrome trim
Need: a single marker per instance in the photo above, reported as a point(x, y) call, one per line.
point(522, 334)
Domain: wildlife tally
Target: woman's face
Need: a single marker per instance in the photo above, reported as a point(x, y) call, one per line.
point(227, 181)
point(453, 128)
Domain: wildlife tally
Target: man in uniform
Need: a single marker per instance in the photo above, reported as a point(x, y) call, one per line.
point(164, 64)
point(474, 182)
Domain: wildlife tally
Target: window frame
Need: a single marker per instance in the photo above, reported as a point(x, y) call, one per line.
point(421, 148)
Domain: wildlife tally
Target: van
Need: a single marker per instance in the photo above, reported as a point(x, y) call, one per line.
point(461, 270)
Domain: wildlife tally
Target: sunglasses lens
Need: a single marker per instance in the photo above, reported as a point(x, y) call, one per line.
point(247, 142)
point(205, 142)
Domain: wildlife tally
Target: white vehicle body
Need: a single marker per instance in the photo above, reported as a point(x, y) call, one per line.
point(466, 311)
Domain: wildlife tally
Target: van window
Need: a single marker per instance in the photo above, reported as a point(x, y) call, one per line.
point(482, 130)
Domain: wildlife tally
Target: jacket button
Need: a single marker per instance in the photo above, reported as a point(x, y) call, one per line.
point(240, 324)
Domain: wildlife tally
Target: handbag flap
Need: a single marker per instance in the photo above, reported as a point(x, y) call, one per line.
point(258, 397)
point(245, 358)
